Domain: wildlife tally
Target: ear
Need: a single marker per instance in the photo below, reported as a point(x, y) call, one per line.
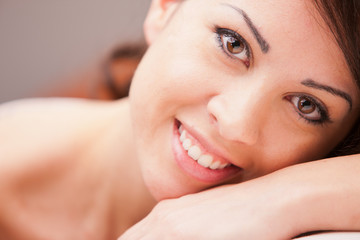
point(159, 14)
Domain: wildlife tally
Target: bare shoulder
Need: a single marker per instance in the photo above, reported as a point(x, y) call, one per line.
point(45, 132)
point(44, 165)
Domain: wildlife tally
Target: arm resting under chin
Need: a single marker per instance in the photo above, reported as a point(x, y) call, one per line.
point(322, 195)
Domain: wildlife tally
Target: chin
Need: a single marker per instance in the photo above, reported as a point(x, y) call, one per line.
point(166, 188)
point(163, 195)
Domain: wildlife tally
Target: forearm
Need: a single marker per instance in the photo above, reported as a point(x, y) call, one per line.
point(321, 195)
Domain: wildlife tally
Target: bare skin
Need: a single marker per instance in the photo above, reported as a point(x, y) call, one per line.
point(57, 189)
point(321, 195)
point(70, 168)
point(63, 183)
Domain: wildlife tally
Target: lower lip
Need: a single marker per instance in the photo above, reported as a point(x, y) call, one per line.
point(195, 170)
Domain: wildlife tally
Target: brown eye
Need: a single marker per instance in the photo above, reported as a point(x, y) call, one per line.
point(309, 108)
point(305, 105)
point(234, 46)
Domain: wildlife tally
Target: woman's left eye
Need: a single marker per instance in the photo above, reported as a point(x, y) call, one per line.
point(234, 45)
point(310, 109)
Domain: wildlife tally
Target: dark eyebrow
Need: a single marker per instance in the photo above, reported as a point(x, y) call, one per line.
point(264, 45)
point(311, 83)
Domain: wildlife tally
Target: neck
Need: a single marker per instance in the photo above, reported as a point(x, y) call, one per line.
point(131, 200)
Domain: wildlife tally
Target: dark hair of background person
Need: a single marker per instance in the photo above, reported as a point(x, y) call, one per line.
point(120, 67)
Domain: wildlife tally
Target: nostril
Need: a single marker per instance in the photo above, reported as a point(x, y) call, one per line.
point(213, 119)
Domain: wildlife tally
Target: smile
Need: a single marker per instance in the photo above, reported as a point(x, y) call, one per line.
point(194, 151)
point(198, 158)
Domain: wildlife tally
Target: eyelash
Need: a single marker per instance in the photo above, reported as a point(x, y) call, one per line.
point(225, 32)
point(320, 108)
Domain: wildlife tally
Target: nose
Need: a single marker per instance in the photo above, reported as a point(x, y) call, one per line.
point(237, 115)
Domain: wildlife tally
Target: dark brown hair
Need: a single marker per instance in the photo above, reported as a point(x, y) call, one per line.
point(343, 19)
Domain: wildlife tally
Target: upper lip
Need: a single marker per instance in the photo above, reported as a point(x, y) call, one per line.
point(206, 144)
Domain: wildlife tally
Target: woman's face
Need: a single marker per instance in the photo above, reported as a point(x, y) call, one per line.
point(230, 90)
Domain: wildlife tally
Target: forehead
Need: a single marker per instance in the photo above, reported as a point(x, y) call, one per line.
point(299, 38)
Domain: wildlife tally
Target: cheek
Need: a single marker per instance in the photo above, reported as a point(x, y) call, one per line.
point(283, 145)
point(179, 78)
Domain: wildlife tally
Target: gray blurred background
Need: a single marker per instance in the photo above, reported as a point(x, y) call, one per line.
point(42, 41)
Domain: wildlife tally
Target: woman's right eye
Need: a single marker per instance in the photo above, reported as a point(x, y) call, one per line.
point(234, 45)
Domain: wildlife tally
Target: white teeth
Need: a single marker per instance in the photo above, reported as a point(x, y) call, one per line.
point(194, 152)
point(222, 166)
point(181, 129)
point(182, 136)
point(205, 160)
point(215, 165)
point(187, 144)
